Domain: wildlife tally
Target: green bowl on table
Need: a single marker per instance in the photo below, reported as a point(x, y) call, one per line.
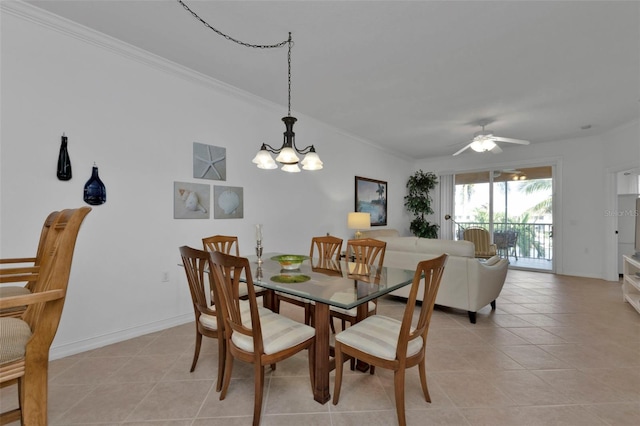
point(290, 278)
point(290, 262)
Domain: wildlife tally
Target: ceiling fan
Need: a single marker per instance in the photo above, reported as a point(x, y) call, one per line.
point(485, 140)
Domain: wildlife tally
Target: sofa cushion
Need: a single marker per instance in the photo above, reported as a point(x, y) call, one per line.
point(379, 233)
point(452, 248)
point(428, 245)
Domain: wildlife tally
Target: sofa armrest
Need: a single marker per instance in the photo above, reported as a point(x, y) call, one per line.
point(485, 282)
point(492, 260)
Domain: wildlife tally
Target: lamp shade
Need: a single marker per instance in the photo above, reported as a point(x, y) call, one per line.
point(291, 168)
point(483, 145)
point(264, 160)
point(287, 156)
point(311, 161)
point(356, 220)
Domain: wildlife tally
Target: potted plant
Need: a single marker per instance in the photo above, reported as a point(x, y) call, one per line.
point(418, 202)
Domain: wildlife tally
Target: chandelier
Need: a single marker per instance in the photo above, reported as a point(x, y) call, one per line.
point(287, 154)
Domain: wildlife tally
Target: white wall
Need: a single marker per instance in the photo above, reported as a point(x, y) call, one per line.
point(137, 116)
point(582, 197)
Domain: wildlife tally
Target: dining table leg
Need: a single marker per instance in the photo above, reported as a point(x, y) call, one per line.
point(322, 353)
point(362, 312)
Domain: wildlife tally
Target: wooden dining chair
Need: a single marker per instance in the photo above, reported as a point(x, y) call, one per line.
point(228, 245)
point(327, 247)
point(364, 252)
point(8, 266)
point(208, 316)
point(396, 345)
point(224, 243)
point(326, 266)
point(25, 341)
point(258, 338)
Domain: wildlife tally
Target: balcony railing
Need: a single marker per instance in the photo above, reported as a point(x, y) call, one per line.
point(532, 240)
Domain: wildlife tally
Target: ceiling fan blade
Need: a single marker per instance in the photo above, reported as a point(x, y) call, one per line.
point(458, 152)
point(496, 149)
point(518, 141)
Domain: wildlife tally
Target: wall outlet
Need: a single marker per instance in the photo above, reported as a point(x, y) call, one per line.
point(165, 277)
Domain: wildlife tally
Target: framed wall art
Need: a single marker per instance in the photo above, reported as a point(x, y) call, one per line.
point(227, 202)
point(191, 200)
point(371, 197)
point(209, 162)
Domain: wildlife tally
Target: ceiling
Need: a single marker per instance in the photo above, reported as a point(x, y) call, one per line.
point(412, 77)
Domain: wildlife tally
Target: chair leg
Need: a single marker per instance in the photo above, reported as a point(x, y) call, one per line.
point(398, 380)
point(221, 352)
point(196, 352)
point(311, 352)
point(338, 378)
point(422, 369)
point(14, 415)
point(493, 305)
point(35, 392)
point(258, 388)
point(228, 367)
point(307, 314)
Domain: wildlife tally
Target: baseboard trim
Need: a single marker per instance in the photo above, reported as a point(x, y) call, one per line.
point(68, 349)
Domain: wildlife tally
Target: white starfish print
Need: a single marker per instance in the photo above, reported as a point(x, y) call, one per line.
point(210, 162)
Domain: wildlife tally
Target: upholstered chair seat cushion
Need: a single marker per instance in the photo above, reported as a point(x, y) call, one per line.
point(14, 335)
point(278, 333)
point(377, 335)
point(13, 290)
point(9, 291)
point(211, 322)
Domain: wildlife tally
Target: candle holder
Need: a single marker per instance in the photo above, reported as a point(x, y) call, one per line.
point(259, 251)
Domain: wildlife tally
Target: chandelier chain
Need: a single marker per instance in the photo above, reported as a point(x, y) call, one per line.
point(228, 37)
point(288, 41)
point(289, 75)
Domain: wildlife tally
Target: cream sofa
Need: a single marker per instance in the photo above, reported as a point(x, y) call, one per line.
point(467, 283)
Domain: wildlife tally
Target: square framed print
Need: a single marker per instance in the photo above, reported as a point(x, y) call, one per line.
point(371, 197)
point(228, 202)
point(209, 162)
point(191, 200)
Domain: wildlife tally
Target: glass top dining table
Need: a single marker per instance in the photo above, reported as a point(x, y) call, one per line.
point(327, 283)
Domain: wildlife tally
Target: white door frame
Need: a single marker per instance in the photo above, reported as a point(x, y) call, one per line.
point(610, 258)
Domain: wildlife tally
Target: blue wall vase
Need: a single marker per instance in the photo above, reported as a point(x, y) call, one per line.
point(95, 192)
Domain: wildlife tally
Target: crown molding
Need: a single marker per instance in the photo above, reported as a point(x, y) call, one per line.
point(45, 19)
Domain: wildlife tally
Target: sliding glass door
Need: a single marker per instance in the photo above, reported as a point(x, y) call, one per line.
point(515, 206)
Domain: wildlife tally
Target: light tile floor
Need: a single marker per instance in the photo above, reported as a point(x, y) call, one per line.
point(557, 351)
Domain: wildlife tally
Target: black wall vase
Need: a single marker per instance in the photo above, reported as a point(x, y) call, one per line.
point(64, 162)
point(95, 192)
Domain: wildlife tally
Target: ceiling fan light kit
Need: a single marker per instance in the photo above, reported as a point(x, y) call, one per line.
point(485, 141)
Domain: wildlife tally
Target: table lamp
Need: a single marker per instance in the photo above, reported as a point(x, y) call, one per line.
point(358, 221)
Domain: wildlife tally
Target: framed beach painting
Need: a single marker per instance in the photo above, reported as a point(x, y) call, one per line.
point(209, 162)
point(191, 200)
point(228, 202)
point(371, 197)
